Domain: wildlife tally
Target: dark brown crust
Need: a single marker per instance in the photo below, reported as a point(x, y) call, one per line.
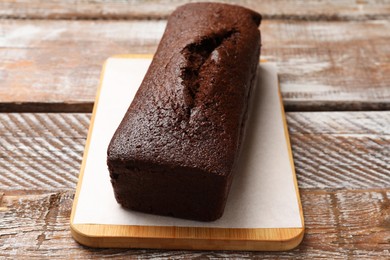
point(176, 147)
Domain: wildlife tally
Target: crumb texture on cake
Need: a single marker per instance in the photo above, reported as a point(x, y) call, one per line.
point(187, 109)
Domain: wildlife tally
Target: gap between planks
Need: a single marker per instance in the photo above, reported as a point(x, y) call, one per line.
point(289, 106)
point(329, 10)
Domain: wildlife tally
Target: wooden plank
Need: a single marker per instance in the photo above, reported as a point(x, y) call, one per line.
point(339, 224)
point(55, 65)
point(157, 9)
point(41, 151)
point(330, 66)
point(58, 63)
point(341, 150)
point(331, 150)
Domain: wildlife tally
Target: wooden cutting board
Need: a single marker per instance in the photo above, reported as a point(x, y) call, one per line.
point(263, 211)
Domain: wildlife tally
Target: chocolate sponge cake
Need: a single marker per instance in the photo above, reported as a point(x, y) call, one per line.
point(176, 149)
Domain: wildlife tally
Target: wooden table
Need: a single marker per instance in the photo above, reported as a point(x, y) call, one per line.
point(334, 63)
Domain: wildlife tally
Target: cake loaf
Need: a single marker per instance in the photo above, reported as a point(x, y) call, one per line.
point(175, 151)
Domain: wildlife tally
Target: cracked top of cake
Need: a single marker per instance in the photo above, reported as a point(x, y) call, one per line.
point(190, 108)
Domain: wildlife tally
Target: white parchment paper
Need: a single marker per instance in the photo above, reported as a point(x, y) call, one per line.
point(263, 193)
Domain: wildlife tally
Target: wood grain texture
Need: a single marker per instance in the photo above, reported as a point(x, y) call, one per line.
point(55, 65)
point(58, 63)
point(331, 150)
point(41, 150)
point(339, 224)
point(157, 9)
point(341, 150)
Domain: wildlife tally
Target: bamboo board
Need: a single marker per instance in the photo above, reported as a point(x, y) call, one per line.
point(207, 237)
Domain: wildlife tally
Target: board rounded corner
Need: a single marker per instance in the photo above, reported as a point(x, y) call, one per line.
point(295, 239)
point(82, 236)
